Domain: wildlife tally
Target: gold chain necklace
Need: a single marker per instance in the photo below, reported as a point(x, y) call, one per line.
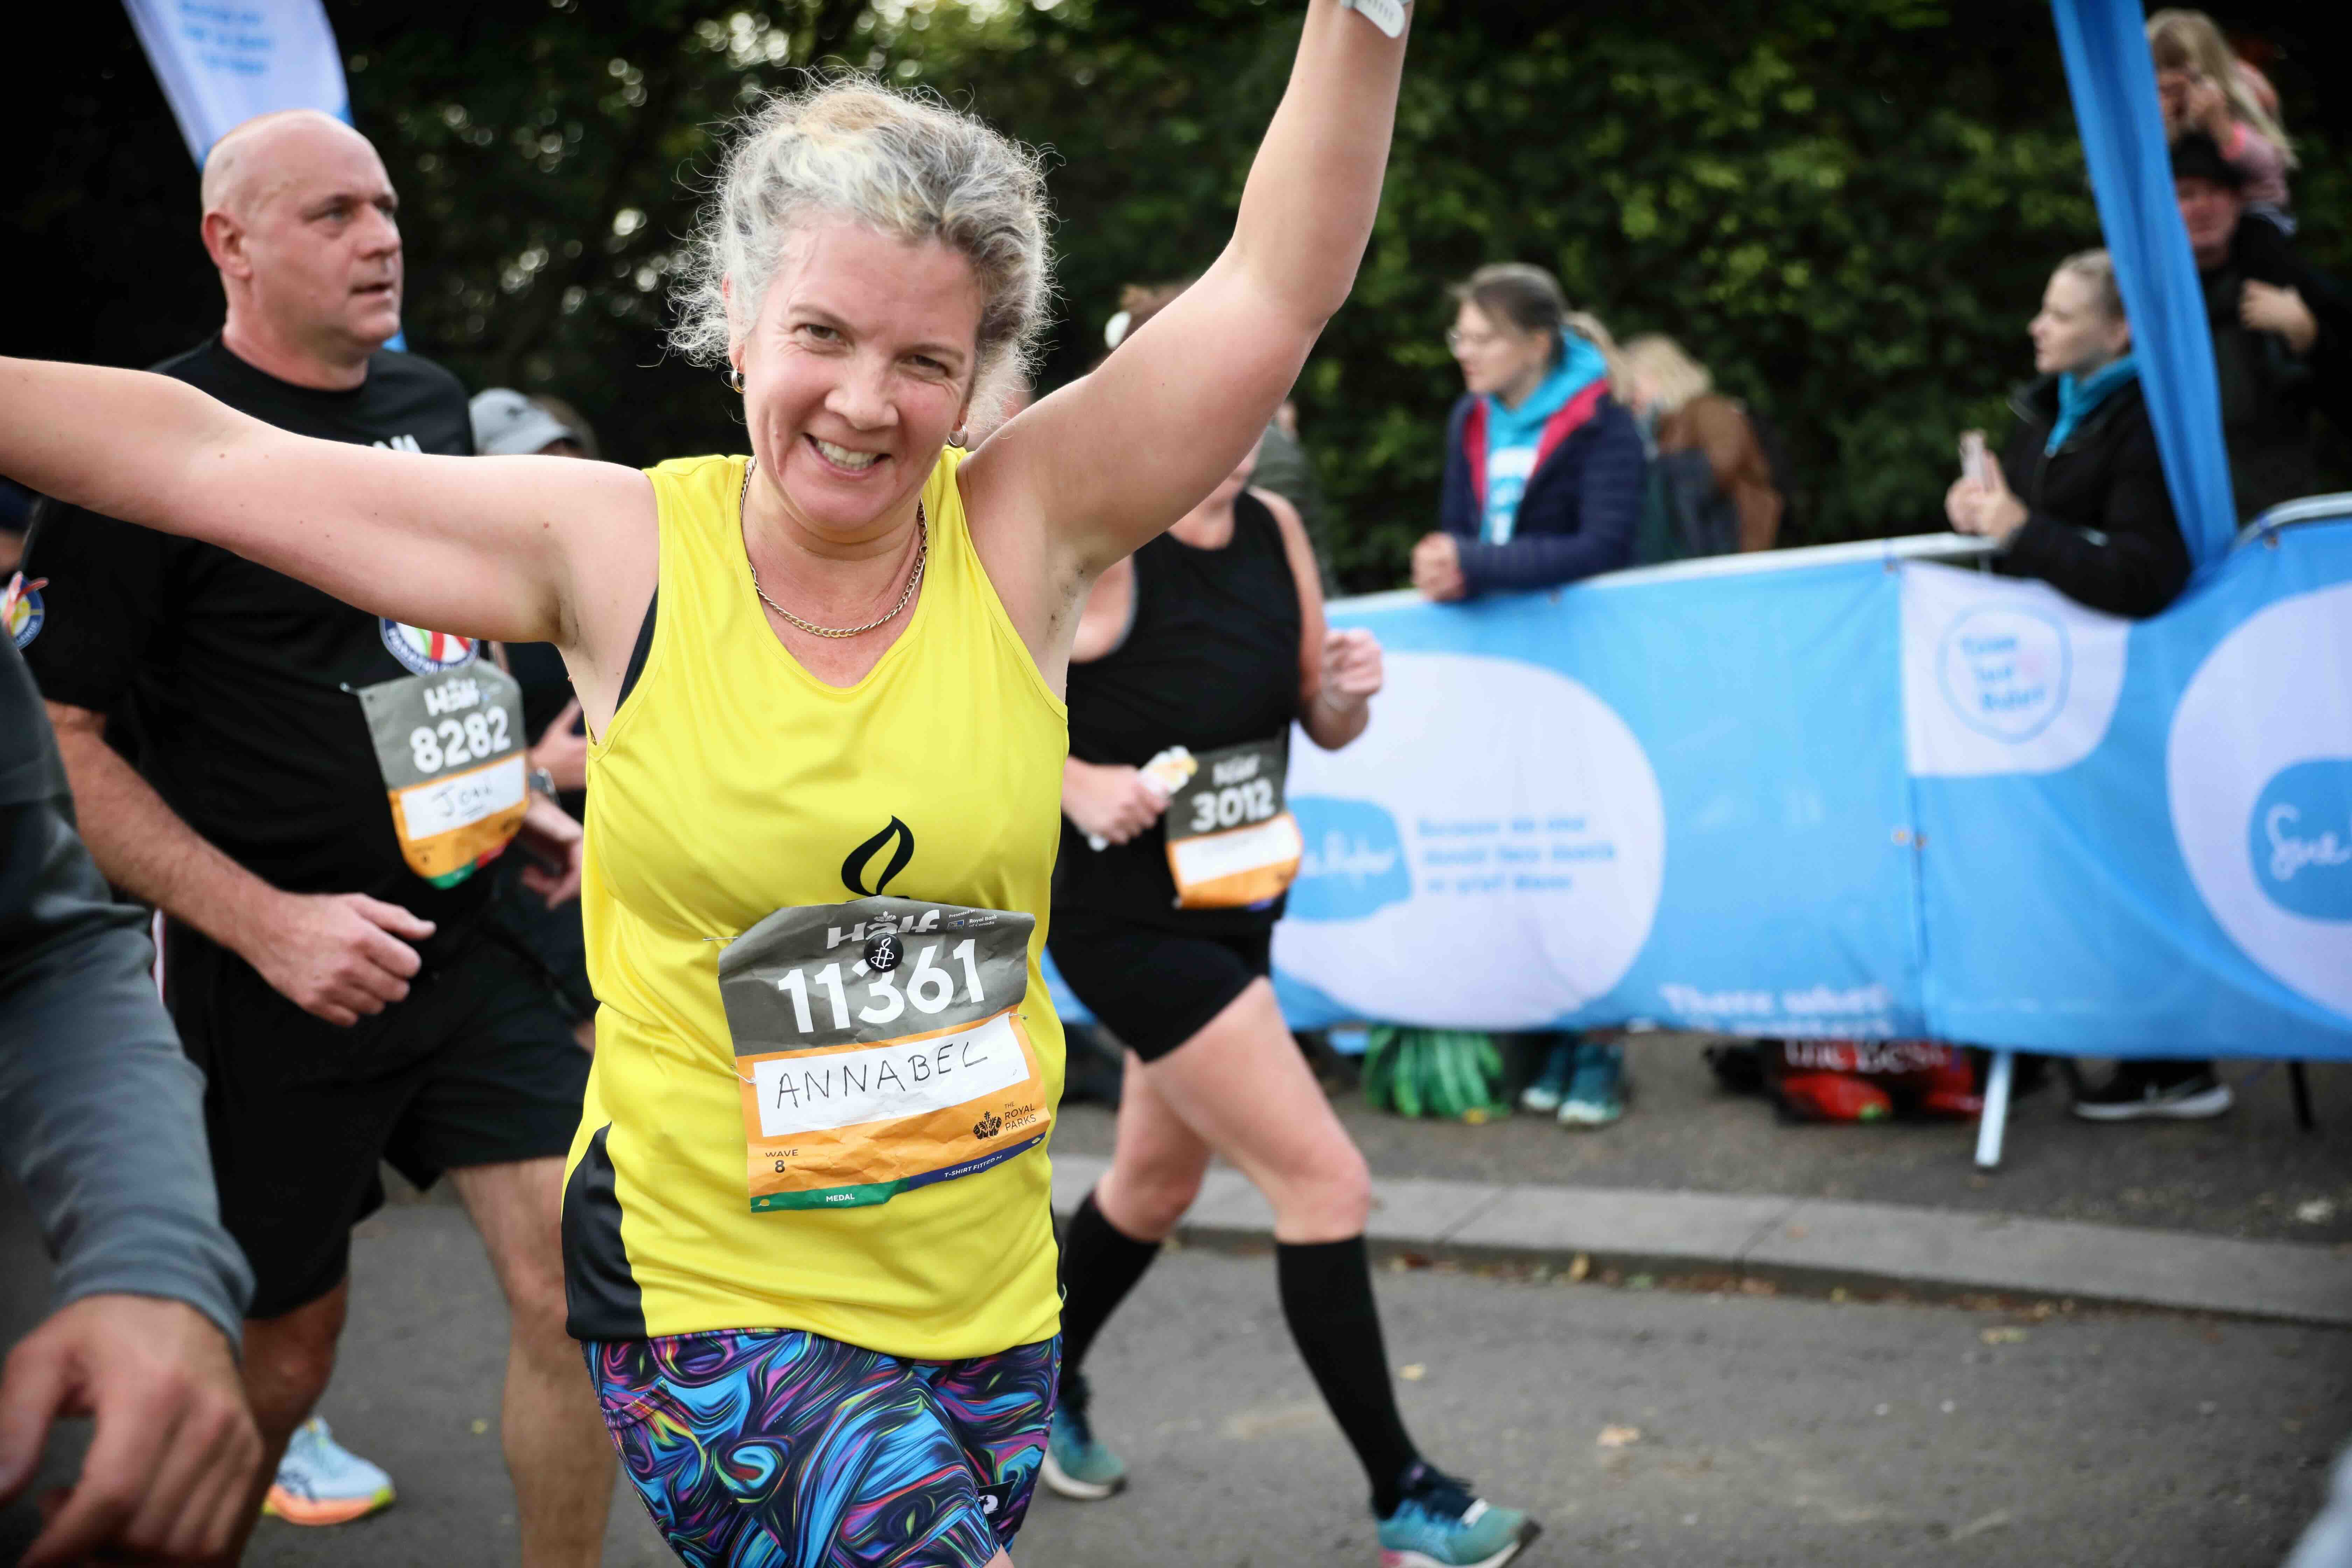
point(914, 578)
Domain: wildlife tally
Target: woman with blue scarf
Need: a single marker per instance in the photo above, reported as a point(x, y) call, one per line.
point(2078, 499)
point(2078, 502)
point(1543, 466)
point(1544, 476)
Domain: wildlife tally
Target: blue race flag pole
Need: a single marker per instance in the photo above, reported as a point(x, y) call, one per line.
point(2112, 79)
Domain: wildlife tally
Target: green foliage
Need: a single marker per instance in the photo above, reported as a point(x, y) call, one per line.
point(1846, 208)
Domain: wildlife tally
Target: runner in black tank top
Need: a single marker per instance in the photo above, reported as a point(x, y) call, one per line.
point(1212, 639)
point(1209, 659)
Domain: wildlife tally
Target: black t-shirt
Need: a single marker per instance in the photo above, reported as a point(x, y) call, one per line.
point(233, 687)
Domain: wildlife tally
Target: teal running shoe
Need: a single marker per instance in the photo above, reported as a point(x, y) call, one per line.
point(1596, 1095)
point(320, 1481)
point(1440, 1524)
point(1077, 1465)
point(1550, 1087)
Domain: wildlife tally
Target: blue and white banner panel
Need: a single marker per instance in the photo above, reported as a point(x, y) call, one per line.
point(221, 62)
point(1681, 800)
point(1849, 796)
point(2139, 836)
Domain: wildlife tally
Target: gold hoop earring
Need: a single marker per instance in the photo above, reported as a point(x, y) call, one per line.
point(735, 380)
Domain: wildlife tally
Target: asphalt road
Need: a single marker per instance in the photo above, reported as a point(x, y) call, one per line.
point(2250, 1173)
point(1770, 1431)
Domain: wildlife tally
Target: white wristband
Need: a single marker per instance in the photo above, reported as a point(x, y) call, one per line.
point(1388, 16)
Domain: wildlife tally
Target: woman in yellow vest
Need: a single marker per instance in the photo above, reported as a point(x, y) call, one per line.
point(806, 1219)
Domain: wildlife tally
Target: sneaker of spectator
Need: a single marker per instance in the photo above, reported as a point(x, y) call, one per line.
point(2157, 1091)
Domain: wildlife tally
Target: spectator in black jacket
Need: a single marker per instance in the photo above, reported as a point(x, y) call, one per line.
point(1543, 466)
point(2078, 497)
point(2078, 501)
point(2282, 333)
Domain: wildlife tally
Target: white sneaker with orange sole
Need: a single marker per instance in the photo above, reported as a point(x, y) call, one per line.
point(320, 1481)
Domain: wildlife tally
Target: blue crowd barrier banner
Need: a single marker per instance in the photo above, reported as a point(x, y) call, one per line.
point(1849, 795)
point(221, 62)
point(2112, 78)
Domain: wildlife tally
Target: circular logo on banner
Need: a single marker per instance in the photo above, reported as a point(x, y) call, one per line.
point(21, 610)
point(1509, 871)
point(2261, 784)
point(2005, 670)
point(427, 653)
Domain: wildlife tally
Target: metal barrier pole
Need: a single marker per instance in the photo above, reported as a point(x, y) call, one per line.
point(1994, 1120)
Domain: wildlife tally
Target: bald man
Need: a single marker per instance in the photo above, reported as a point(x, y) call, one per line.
point(309, 795)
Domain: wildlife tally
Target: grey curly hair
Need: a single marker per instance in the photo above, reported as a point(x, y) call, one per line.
point(906, 165)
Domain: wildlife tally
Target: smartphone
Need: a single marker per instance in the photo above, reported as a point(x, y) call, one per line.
point(1975, 463)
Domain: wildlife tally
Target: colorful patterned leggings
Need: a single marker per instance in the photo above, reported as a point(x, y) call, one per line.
point(783, 1449)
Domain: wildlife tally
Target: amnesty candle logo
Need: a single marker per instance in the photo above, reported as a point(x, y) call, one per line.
point(888, 850)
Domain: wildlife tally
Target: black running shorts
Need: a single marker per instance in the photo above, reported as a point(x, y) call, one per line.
point(1154, 989)
point(477, 1067)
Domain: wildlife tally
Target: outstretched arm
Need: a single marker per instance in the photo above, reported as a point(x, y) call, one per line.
point(483, 546)
point(1109, 461)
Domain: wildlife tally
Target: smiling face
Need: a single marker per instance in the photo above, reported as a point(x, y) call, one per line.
point(1497, 359)
point(300, 215)
point(2073, 333)
point(856, 367)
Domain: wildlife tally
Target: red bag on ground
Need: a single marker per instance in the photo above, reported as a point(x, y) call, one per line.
point(1869, 1080)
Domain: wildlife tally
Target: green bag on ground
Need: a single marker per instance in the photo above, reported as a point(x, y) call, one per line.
point(1455, 1075)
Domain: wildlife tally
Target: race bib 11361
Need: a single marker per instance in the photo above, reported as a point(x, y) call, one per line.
point(879, 1047)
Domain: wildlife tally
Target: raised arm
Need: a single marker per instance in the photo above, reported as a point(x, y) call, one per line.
point(494, 547)
point(1109, 461)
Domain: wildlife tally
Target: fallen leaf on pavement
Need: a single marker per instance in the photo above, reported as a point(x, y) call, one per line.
point(2002, 1336)
point(1620, 1436)
point(1414, 1372)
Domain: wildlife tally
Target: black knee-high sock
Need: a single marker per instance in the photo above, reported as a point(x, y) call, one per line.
point(1100, 1264)
point(1326, 1299)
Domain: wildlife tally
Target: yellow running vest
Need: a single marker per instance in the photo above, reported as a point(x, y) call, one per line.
point(733, 785)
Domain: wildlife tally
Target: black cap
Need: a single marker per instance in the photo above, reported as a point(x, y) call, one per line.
point(2196, 156)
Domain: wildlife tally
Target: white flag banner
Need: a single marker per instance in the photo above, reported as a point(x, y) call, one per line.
point(224, 61)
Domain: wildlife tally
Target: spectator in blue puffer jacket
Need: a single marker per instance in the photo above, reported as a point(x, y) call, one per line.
point(1543, 466)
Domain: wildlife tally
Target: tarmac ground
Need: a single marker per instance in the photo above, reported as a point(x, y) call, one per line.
point(1641, 1417)
point(1640, 1424)
point(2252, 1174)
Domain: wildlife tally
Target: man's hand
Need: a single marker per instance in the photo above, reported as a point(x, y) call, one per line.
point(1352, 669)
point(335, 955)
point(2266, 307)
point(1985, 507)
point(171, 1466)
point(1438, 568)
point(551, 835)
point(562, 749)
point(1113, 804)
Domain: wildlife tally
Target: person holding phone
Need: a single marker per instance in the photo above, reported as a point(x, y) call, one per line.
point(2078, 501)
